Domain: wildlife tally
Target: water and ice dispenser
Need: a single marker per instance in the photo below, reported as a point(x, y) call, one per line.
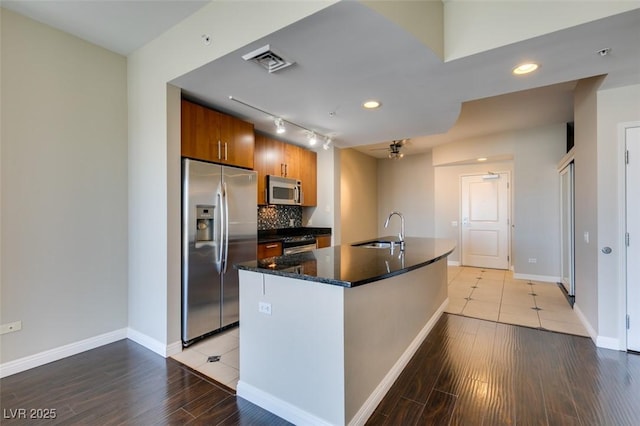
point(204, 223)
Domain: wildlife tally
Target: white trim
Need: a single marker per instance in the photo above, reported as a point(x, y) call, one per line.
point(295, 415)
point(543, 278)
point(453, 263)
point(585, 322)
point(277, 406)
point(36, 360)
point(608, 343)
point(622, 229)
point(369, 406)
point(153, 344)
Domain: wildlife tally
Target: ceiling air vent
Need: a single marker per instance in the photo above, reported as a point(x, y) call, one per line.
point(267, 58)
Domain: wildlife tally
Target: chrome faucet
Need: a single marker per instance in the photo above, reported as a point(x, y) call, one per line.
point(401, 234)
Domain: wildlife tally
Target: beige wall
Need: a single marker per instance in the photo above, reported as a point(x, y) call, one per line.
point(586, 193)
point(358, 196)
point(534, 191)
point(406, 186)
point(63, 188)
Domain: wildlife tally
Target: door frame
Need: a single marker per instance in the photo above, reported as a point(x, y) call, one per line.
point(509, 213)
point(622, 229)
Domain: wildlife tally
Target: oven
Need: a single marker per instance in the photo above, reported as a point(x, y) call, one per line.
point(298, 244)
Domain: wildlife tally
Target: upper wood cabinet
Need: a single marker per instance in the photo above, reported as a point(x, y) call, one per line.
point(213, 136)
point(274, 157)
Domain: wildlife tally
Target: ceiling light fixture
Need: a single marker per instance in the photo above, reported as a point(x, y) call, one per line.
point(312, 138)
point(482, 159)
point(280, 129)
point(525, 68)
point(371, 104)
point(312, 135)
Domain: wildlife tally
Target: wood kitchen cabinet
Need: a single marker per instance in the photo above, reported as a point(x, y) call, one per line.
point(323, 241)
point(274, 157)
point(269, 249)
point(210, 135)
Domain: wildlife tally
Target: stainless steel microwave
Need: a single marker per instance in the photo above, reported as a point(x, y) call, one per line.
point(281, 190)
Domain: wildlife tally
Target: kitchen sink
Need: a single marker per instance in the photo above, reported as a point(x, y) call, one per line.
point(375, 244)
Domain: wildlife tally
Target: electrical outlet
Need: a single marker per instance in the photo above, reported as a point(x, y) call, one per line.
point(11, 327)
point(533, 260)
point(264, 307)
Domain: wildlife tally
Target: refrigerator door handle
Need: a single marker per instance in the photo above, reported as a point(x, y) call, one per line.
point(220, 241)
point(225, 225)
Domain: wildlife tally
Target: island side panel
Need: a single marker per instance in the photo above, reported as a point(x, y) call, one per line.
point(381, 321)
point(292, 359)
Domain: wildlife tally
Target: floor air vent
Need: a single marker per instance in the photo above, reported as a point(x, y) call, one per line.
point(267, 58)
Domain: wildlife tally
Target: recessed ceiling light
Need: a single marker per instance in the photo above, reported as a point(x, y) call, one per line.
point(482, 159)
point(525, 68)
point(371, 104)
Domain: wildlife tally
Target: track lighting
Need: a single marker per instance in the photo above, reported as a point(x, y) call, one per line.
point(326, 144)
point(312, 138)
point(279, 126)
point(279, 122)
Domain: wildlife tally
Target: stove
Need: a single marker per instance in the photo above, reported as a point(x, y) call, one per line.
point(298, 244)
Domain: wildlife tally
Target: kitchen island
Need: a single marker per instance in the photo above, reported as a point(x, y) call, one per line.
point(325, 333)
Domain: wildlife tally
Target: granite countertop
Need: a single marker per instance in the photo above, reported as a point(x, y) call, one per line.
point(349, 266)
point(272, 235)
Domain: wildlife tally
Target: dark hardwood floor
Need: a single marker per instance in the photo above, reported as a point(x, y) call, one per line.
point(123, 383)
point(467, 372)
point(476, 372)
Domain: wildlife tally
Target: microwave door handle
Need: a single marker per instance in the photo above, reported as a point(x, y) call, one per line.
point(226, 226)
point(296, 194)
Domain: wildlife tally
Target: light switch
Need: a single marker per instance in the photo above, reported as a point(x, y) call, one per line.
point(586, 237)
point(454, 223)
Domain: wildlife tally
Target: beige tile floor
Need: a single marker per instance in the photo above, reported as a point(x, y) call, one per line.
point(479, 293)
point(495, 295)
point(225, 344)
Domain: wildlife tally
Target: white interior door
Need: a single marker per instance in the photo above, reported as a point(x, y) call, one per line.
point(485, 220)
point(633, 235)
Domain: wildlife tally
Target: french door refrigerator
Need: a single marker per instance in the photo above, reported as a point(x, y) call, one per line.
point(219, 229)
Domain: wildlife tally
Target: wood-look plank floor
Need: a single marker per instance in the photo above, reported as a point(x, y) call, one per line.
point(120, 384)
point(477, 372)
point(467, 372)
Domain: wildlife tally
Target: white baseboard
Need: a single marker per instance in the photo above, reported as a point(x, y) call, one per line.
point(453, 263)
point(277, 406)
point(153, 344)
point(586, 323)
point(608, 343)
point(298, 416)
point(543, 278)
point(369, 406)
point(36, 360)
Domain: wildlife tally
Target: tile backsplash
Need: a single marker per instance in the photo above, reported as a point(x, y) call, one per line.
point(277, 217)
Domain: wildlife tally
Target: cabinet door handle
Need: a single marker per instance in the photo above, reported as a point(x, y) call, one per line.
point(286, 170)
point(225, 152)
point(218, 149)
point(271, 246)
point(281, 169)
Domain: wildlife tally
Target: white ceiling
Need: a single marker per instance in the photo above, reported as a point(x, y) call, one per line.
point(347, 53)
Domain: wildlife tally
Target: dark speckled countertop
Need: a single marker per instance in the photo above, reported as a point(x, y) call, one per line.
point(349, 266)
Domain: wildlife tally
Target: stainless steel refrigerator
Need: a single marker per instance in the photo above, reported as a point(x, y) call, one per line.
point(219, 229)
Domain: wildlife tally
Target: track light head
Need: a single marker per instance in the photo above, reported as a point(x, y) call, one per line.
point(279, 126)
